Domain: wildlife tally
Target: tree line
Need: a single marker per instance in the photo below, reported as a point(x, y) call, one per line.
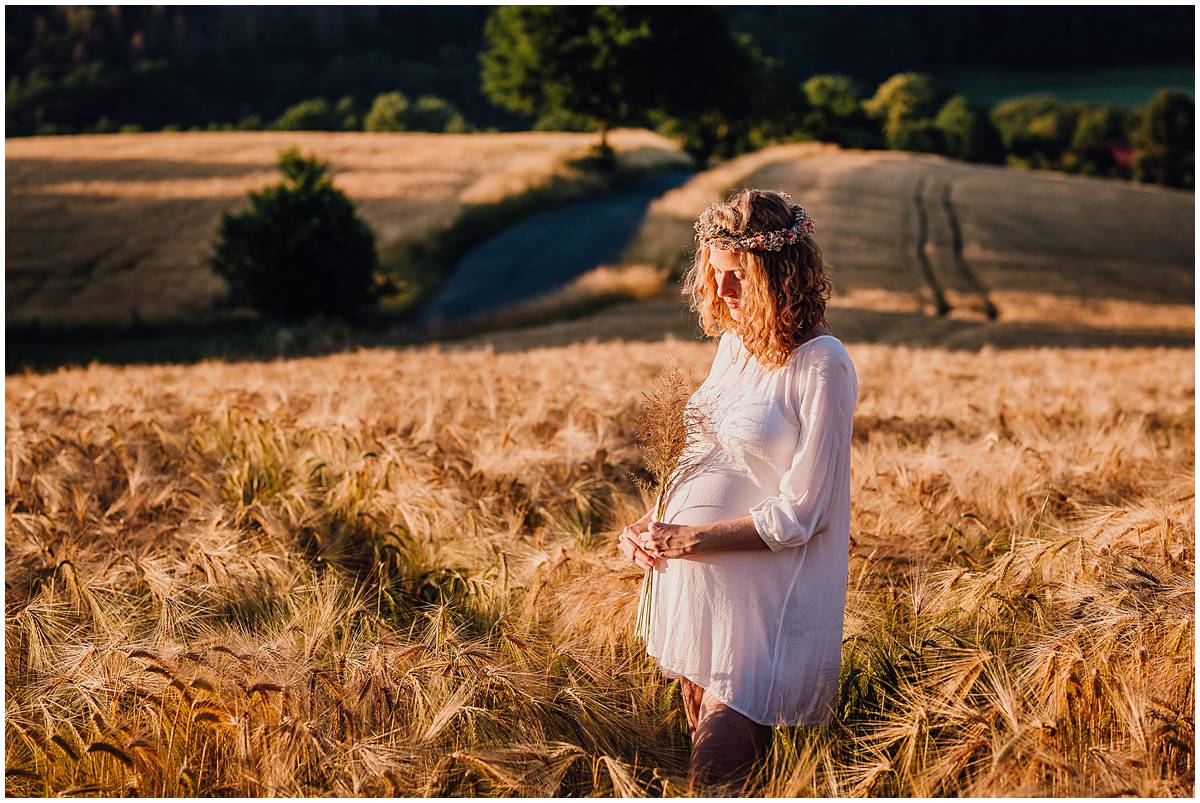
point(79, 69)
point(692, 76)
point(716, 92)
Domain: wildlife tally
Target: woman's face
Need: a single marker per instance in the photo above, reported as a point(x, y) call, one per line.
point(728, 273)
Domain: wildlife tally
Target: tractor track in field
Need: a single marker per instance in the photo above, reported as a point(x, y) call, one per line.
point(939, 295)
point(960, 262)
point(963, 275)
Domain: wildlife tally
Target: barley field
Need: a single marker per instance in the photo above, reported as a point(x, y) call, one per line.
point(100, 225)
point(394, 572)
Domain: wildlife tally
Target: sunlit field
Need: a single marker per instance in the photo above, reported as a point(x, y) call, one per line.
point(395, 573)
point(100, 225)
point(924, 249)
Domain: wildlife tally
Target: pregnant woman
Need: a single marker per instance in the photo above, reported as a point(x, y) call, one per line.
point(751, 558)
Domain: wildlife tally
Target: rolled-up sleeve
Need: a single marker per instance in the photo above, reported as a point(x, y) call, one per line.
point(819, 475)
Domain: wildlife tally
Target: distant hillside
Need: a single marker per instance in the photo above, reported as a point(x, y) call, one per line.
point(100, 226)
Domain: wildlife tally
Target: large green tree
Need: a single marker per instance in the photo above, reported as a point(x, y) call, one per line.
point(587, 61)
point(627, 64)
point(715, 89)
point(968, 132)
point(835, 112)
point(1097, 130)
point(1036, 129)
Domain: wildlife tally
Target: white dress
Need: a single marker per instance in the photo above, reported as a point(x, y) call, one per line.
point(761, 630)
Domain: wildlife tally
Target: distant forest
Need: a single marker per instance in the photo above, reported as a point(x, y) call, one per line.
point(153, 66)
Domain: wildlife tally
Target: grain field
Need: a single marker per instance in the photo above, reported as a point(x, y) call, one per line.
point(393, 572)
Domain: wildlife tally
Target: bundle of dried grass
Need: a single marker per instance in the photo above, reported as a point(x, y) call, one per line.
point(670, 432)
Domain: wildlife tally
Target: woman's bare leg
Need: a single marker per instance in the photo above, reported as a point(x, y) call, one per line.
point(692, 695)
point(726, 746)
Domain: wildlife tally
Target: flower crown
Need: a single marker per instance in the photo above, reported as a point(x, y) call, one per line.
point(710, 234)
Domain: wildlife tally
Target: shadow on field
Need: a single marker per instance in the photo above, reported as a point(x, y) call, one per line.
point(631, 321)
point(43, 172)
point(654, 320)
point(232, 339)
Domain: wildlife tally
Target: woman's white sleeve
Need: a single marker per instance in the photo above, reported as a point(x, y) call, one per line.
point(819, 475)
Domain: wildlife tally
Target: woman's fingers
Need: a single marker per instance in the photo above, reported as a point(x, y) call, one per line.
point(648, 539)
point(642, 537)
point(639, 526)
point(631, 534)
point(631, 550)
point(642, 560)
point(653, 542)
point(626, 546)
point(634, 546)
point(646, 546)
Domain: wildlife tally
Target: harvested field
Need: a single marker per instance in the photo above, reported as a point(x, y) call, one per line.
point(99, 225)
point(926, 250)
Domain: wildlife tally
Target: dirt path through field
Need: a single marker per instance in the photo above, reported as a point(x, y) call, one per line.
point(545, 252)
point(927, 251)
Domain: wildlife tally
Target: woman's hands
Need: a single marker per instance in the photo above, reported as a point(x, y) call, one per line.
point(628, 543)
point(649, 543)
point(662, 541)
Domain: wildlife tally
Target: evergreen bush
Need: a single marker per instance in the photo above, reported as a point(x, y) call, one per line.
point(1096, 132)
point(835, 112)
point(904, 106)
point(301, 249)
point(432, 113)
point(389, 112)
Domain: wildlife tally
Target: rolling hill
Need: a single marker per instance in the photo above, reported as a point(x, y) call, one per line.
point(97, 226)
point(929, 251)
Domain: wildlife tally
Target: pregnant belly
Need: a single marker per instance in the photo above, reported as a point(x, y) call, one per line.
point(715, 494)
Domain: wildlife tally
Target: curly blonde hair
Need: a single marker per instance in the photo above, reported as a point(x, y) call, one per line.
point(784, 292)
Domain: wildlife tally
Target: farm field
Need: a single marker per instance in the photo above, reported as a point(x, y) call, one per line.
point(1021, 235)
point(922, 251)
point(1007, 257)
point(393, 573)
point(99, 225)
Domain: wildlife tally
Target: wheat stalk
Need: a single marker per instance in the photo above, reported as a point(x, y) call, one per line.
point(673, 423)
